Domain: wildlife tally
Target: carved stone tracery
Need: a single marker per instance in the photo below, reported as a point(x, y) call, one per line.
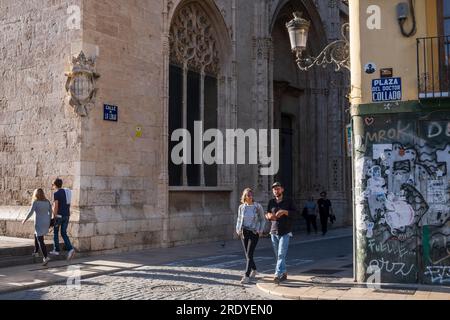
point(192, 41)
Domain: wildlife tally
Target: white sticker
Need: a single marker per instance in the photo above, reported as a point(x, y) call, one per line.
point(370, 226)
point(380, 149)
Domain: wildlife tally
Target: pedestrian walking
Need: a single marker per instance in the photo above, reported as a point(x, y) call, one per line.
point(42, 209)
point(61, 214)
point(310, 214)
point(280, 212)
point(250, 226)
point(325, 212)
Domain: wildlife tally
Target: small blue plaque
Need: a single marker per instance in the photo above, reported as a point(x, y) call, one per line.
point(111, 113)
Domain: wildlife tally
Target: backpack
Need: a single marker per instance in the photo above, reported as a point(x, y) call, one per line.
point(68, 196)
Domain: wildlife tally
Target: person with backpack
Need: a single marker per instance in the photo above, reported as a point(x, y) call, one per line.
point(61, 214)
point(42, 208)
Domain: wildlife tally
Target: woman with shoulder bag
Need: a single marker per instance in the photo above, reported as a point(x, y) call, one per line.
point(43, 210)
point(250, 226)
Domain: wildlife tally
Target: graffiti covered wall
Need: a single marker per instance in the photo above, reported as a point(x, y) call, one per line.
point(402, 203)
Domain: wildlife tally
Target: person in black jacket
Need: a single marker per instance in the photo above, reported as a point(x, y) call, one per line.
point(325, 212)
point(280, 213)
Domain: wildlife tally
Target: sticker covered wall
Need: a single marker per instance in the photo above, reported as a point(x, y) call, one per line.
point(402, 203)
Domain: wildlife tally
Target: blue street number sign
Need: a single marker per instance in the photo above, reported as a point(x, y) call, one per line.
point(387, 89)
point(111, 113)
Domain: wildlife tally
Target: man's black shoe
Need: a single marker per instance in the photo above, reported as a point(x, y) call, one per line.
point(283, 277)
point(276, 280)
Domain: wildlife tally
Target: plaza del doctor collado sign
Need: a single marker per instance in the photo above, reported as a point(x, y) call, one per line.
point(387, 89)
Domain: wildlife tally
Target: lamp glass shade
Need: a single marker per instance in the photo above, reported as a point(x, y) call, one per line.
point(298, 29)
point(299, 38)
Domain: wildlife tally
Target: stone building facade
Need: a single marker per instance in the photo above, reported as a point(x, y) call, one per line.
point(148, 54)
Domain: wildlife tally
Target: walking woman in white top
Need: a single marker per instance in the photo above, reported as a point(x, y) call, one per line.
point(250, 225)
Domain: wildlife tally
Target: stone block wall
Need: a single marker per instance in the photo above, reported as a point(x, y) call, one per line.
point(200, 217)
point(119, 170)
point(39, 134)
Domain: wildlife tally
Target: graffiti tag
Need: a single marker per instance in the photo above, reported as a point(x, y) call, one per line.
point(436, 129)
point(370, 121)
point(443, 156)
point(398, 133)
point(438, 274)
point(385, 247)
point(398, 268)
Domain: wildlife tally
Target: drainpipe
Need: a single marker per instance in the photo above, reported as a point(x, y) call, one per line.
point(355, 100)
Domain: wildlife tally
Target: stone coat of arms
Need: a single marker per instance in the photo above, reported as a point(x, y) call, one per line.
point(81, 84)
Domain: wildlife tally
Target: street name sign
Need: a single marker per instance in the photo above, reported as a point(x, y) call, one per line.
point(387, 89)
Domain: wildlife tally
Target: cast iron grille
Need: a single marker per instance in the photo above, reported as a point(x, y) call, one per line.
point(172, 288)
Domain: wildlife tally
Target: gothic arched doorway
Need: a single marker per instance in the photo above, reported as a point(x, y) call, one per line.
point(309, 110)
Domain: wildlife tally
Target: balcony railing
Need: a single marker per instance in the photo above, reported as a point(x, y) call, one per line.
point(433, 67)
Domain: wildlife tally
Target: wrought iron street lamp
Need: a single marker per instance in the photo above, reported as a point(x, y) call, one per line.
point(337, 52)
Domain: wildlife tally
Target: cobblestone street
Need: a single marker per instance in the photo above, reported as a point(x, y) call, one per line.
point(151, 283)
point(212, 277)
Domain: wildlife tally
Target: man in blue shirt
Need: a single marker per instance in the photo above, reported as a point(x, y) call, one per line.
point(61, 214)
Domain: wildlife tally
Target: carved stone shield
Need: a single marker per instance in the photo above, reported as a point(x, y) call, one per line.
point(81, 84)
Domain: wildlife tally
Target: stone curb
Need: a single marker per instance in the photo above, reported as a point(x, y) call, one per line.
point(345, 294)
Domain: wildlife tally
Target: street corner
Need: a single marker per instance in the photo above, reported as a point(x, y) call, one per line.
point(293, 288)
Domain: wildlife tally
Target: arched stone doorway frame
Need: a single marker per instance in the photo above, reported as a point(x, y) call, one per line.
point(328, 104)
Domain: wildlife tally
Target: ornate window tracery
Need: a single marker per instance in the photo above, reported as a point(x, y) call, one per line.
point(193, 88)
point(192, 42)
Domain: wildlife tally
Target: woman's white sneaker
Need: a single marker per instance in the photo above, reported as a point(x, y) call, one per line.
point(253, 274)
point(45, 261)
point(54, 253)
point(245, 280)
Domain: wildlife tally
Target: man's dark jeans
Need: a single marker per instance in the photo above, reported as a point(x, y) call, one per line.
point(311, 220)
point(61, 223)
point(324, 222)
